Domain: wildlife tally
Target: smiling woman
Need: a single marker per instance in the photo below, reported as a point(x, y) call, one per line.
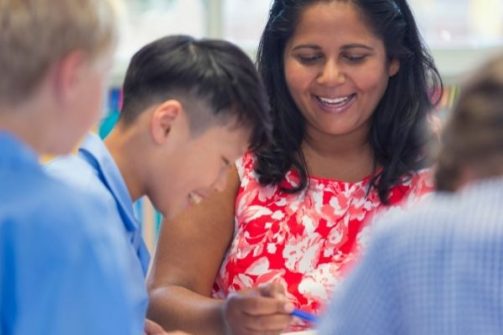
point(336, 70)
point(349, 83)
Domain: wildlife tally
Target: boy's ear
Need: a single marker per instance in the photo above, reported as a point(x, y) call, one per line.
point(163, 120)
point(66, 75)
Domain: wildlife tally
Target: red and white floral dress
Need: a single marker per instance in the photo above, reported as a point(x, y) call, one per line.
point(303, 240)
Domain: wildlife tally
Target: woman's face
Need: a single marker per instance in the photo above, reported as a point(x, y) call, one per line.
point(336, 69)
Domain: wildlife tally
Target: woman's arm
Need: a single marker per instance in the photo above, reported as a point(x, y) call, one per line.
point(190, 251)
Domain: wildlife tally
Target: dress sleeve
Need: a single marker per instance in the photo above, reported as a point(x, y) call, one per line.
point(245, 165)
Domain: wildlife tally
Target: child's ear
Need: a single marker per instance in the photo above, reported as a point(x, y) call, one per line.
point(163, 120)
point(66, 75)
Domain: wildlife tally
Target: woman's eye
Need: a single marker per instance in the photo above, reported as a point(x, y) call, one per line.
point(355, 58)
point(308, 59)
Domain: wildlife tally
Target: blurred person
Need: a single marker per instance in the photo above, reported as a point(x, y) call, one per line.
point(62, 271)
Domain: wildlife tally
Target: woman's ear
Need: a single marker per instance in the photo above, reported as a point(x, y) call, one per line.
point(393, 66)
point(163, 120)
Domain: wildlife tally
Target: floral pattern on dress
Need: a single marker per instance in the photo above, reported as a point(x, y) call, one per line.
point(304, 240)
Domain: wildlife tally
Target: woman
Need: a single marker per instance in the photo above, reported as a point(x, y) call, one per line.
point(349, 85)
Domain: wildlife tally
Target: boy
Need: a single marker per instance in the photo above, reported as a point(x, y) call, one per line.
point(61, 270)
point(191, 107)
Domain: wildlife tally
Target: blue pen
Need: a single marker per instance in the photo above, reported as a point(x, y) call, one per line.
point(304, 315)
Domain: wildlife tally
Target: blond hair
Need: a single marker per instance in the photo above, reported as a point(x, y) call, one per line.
point(34, 34)
point(473, 136)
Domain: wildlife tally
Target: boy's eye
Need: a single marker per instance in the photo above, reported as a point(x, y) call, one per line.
point(226, 162)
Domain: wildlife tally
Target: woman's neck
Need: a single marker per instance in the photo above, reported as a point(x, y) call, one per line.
point(347, 157)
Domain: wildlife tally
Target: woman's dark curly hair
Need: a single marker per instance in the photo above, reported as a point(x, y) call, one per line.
point(398, 132)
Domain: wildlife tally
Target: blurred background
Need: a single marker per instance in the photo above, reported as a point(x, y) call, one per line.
point(460, 34)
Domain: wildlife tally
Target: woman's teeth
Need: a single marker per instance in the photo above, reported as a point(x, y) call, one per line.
point(335, 101)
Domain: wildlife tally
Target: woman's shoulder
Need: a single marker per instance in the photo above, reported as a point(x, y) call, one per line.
point(412, 187)
point(246, 165)
point(246, 161)
point(422, 181)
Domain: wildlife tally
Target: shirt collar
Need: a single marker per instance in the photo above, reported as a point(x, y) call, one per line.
point(15, 152)
point(95, 152)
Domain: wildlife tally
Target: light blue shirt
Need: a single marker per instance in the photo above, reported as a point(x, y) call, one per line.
point(61, 269)
point(94, 171)
point(437, 269)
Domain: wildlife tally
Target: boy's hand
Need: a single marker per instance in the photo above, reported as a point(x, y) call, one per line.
point(263, 310)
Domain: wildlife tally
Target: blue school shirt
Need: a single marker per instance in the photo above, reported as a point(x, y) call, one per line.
point(437, 269)
point(61, 269)
point(94, 171)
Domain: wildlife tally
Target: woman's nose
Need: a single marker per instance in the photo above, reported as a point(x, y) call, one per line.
point(331, 74)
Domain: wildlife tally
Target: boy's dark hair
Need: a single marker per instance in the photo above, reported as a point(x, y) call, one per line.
point(398, 135)
point(214, 72)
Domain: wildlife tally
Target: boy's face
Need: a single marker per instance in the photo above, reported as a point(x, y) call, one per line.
point(198, 166)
